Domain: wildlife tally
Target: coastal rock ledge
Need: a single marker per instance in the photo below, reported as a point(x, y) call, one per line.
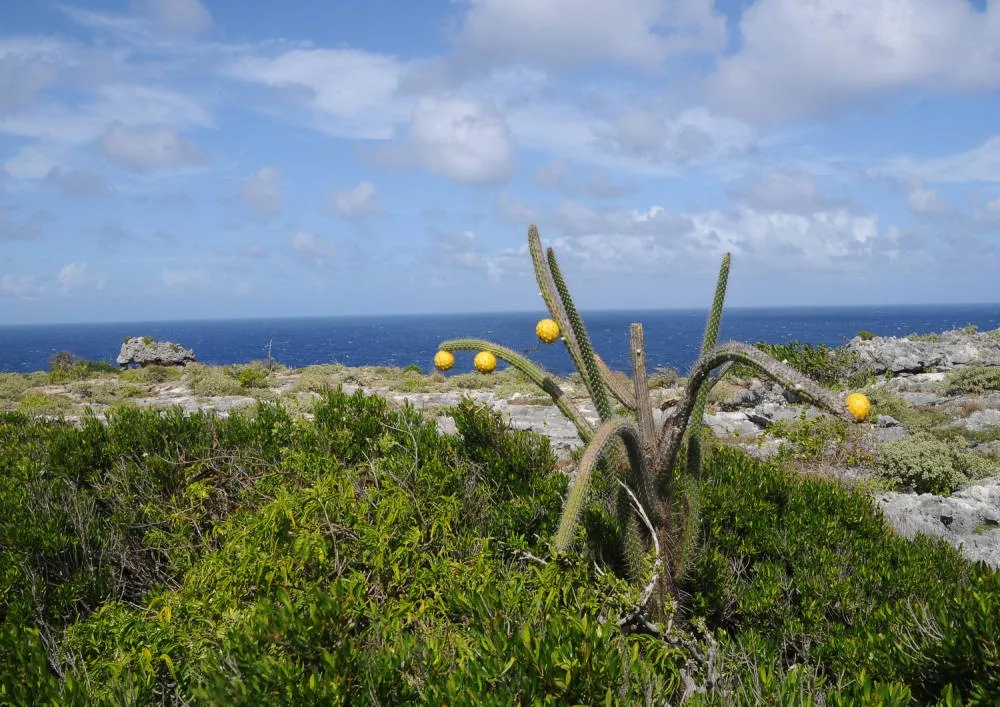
point(144, 351)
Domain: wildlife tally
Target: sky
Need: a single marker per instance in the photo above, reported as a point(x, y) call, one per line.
point(182, 159)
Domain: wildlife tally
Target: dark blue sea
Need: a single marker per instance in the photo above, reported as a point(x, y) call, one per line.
point(673, 337)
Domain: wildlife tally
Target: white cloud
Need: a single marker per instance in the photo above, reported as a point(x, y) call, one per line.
point(926, 202)
point(561, 176)
point(21, 286)
point(569, 33)
point(789, 191)
point(74, 276)
point(348, 93)
point(463, 139)
point(313, 248)
point(145, 150)
point(354, 203)
point(262, 193)
point(181, 17)
point(184, 278)
point(803, 58)
point(31, 163)
point(27, 67)
point(979, 164)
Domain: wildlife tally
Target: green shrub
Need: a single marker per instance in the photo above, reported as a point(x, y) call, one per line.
point(830, 367)
point(413, 368)
point(885, 402)
point(210, 381)
point(972, 380)
point(927, 464)
point(45, 404)
point(249, 376)
point(65, 367)
point(150, 375)
point(865, 335)
point(803, 569)
point(12, 387)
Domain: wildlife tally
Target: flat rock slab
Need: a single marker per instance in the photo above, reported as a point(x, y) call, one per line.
point(968, 519)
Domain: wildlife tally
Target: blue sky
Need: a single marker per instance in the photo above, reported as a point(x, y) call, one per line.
point(173, 159)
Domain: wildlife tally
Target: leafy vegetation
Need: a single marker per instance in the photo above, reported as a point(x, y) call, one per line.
point(363, 558)
point(925, 463)
point(972, 380)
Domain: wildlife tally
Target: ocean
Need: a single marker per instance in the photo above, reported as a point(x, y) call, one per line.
point(673, 337)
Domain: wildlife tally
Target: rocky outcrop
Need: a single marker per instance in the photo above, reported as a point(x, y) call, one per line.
point(144, 351)
point(938, 353)
point(968, 519)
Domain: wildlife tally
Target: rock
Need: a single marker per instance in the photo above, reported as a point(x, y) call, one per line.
point(766, 414)
point(901, 355)
point(143, 351)
point(918, 398)
point(889, 429)
point(968, 519)
point(733, 423)
point(979, 421)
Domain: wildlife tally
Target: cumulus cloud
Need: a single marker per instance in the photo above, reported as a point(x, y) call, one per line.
point(79, 183)
point(146, 150)
point(789, 191)
point(808, 58)
point(313, 248)
point(75, 276)
point(572, 33)
point(345, 92)
point(27, 67)
point(926, 202)
point(354, 203)
point(262, 192)
point(463, 139)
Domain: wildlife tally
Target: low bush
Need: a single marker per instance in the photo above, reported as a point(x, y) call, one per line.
point(362, 558)
point(972, 380)
point(210, 381)
point(924, 463)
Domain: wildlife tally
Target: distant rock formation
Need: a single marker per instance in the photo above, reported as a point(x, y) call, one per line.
point(144, 351)
point(939, 352)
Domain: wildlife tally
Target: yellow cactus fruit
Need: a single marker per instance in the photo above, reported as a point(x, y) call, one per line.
point(443, 360)
point(485, 362)
point(547, 330)
point(859, 406)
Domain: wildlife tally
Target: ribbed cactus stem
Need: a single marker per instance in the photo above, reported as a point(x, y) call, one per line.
point(604, 439)
point(708, 341)
point(534, 373)
point(593, 378)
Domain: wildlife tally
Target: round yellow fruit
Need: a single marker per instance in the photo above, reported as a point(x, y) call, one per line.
point(547, 330)
point(859, 405)
point(443, 360)
point(485, 362)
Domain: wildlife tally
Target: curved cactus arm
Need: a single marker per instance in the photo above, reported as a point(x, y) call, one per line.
point(673, 428)
point(583, 428)
point(593, 378)
point(604, 438)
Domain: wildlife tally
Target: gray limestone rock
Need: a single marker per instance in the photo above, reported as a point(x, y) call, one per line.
point(144, 351)
point(902, 355)
point(968, 519)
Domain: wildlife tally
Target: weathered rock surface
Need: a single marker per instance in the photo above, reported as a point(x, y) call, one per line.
point(901, 355)
point(969, 519)
point(142, 351)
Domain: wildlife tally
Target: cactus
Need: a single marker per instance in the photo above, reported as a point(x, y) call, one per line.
point(656, 506)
